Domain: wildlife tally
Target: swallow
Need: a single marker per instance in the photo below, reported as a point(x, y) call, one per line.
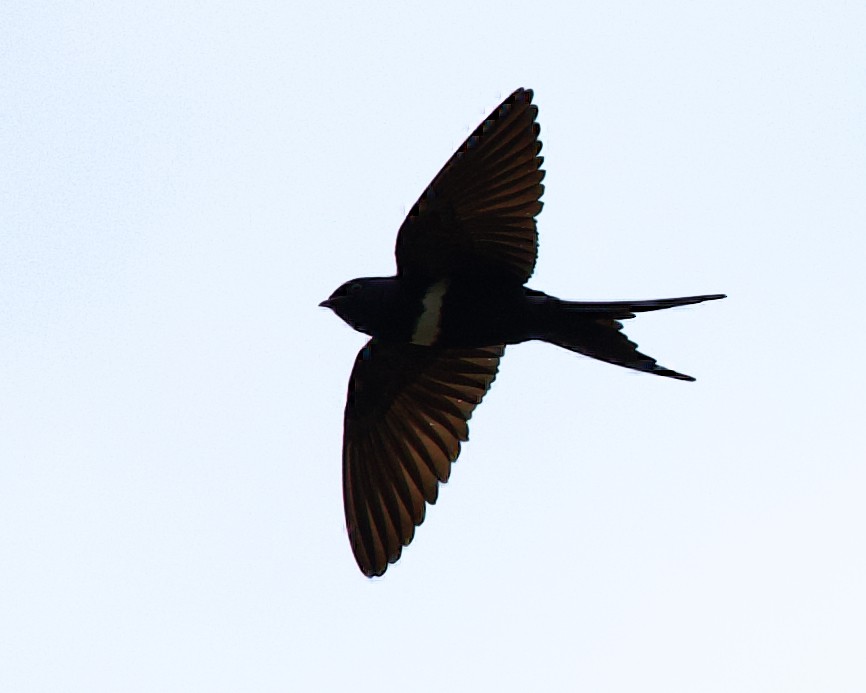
point(439, 327)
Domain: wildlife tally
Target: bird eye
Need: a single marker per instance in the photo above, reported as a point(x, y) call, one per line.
point(355, 288)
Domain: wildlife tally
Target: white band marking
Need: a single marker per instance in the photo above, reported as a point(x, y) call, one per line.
point(427, 330)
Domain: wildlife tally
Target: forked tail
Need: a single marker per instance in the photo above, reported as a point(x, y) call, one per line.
point(593, 329)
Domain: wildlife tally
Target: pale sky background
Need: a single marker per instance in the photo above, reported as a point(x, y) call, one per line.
point(182, 183)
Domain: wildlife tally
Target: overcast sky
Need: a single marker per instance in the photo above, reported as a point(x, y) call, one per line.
point(182, 183)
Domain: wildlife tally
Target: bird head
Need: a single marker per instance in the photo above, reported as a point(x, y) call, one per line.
point(360, 302)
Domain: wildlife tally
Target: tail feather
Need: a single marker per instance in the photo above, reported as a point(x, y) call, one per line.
point(627, 309)
point(593, 329)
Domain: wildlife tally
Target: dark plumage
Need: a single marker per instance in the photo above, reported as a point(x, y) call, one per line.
point(440, 326)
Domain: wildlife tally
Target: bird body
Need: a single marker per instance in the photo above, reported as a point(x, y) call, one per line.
point(457, 312)
point(439, 326)
point(446, 312)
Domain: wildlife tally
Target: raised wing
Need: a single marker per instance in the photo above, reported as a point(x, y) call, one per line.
point(477, 217)
point(406, 415)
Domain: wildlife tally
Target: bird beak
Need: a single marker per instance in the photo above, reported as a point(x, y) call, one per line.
point(326, 303)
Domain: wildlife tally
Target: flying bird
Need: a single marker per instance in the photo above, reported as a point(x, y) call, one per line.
point(439, 327)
